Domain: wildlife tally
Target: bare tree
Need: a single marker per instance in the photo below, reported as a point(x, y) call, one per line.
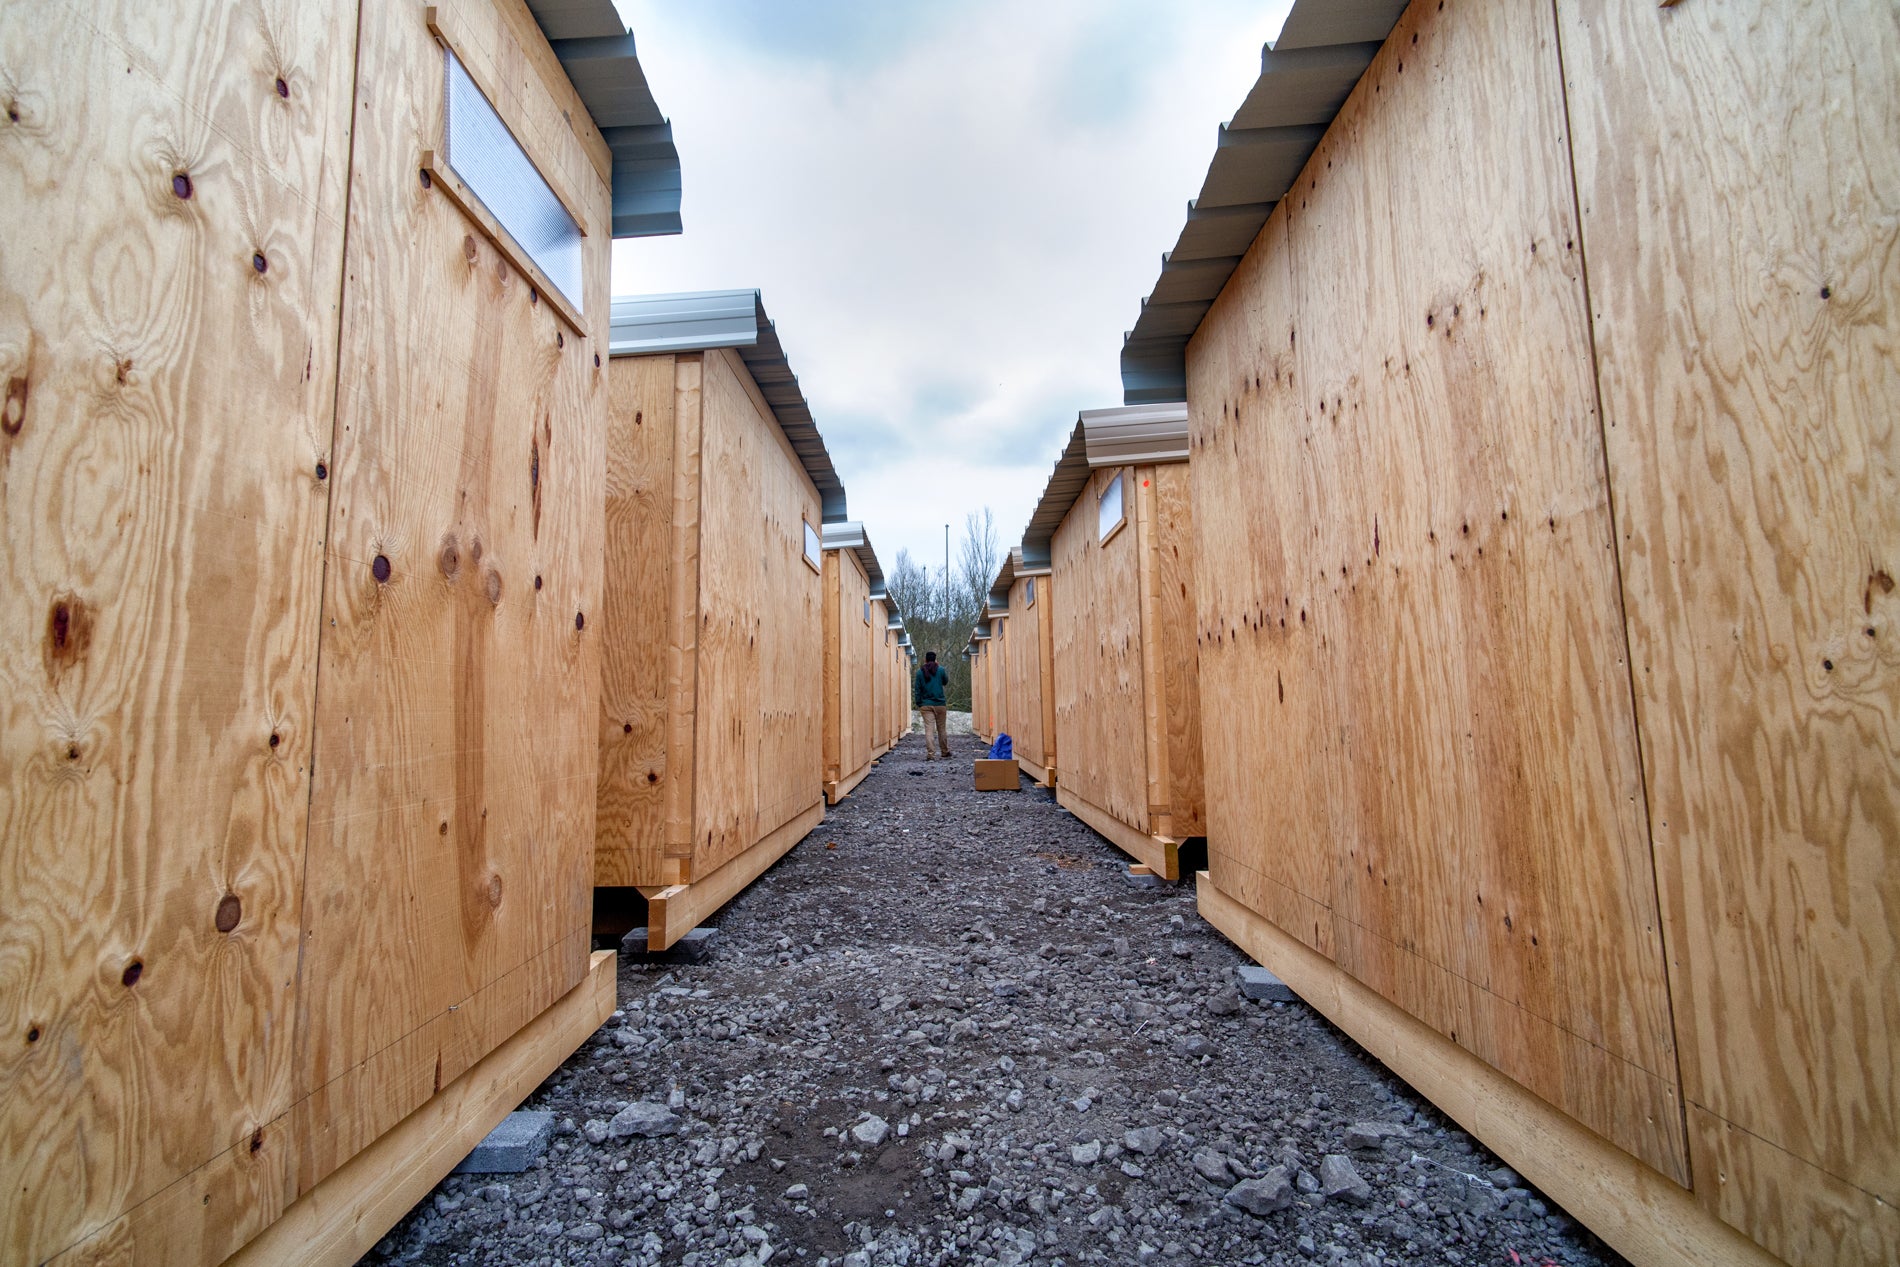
point(940, 611)
point(978, 559)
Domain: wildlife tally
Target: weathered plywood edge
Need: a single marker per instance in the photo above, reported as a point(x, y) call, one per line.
point(341, 1218)
point(676, 911)
point(838, 789)
point(1161, 854)
point(1643, 1215)
point(1043, 775)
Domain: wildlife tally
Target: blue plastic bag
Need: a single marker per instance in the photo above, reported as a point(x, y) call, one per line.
point(1002, 749)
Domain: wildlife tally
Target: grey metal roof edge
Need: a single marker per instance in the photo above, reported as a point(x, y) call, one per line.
point(1065, 484)
point(1306, 75)
point(850, 535)
point(699, 321)
point(1005, 577)
point(1135, 434)
point(598, 55)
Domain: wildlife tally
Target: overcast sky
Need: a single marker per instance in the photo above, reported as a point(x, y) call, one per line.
point(953, 210)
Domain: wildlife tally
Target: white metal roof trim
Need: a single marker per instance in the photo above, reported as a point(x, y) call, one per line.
point(696, 321)
point(850, 535)
point(1135, 433)
point(1305, 77)
point(598, 55)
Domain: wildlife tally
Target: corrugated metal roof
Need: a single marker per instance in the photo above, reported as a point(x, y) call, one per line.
point(1102, 437)
point(646, 325)
point(850, 535)
point(1305, 77)
point(596, 50)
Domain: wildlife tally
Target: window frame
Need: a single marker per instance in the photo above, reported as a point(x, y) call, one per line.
point(1118, 482)
point(814, 547)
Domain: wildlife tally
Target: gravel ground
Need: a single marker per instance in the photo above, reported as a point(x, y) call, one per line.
point(948, 1028)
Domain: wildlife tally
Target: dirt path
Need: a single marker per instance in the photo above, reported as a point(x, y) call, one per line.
point(947, 1028)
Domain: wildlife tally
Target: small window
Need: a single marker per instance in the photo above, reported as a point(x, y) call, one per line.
point(1109, 514)
point(867, 611)
point(1029, 592)
point(484, 154)
point(814, 548)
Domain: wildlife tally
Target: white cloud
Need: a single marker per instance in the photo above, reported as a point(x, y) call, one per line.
point(953, 212)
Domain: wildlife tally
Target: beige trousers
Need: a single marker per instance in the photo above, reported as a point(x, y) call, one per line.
point(936, 723)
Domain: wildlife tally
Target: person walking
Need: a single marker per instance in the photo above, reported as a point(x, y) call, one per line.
point(926, 696)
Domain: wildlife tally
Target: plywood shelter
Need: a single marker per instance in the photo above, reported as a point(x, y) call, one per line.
point(854, 636)
point(1112, 537)
point(890, 674)
point(300, 475)
point(977, 653)
point(1547, 503)
point(1027, 593)
point(711, 727)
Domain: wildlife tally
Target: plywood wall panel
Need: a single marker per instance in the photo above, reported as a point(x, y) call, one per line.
point(1028, 623)
point(1178, 654)
point(1740, 204)
point(760, 713)
point(848, 666)
point(629, 838)
point(1100, 700)
point(1445, 556)
point(452, 814)
point(1265, 701)
point(165, 407)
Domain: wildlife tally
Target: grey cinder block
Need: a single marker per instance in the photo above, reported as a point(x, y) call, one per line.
point(1257, 983)
point(511, 1147)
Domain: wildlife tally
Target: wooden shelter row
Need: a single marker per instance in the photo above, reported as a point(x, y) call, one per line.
point(751, 651)
point(1533, 567)
point(867, 658)
point(302, 457)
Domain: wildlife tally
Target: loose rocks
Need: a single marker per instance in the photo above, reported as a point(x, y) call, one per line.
point(841, 1083)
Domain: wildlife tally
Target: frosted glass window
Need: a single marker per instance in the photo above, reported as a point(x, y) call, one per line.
point(485, 155)
point(1109, 513)
point(814, 546)
point(867, 611)
point(1029, 592)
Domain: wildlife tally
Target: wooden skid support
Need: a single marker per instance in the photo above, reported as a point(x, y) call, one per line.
point(340, 1219)
point(1161, 854)
point(1644, 1216)
point(1042, 775)
point(838, 789)
point(677, 910)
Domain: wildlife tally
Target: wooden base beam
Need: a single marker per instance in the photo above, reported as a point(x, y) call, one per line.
point(838, 789)
point(1162, 854)
point(674, 911)
point(1040, 775)
point(342, 1218)
point(1644, 1216)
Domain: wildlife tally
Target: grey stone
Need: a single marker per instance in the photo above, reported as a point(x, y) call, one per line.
point(1504, 1177)
point(1263, 1196)
point(1226, 1003)
point(585, 1232)
point(1141, 881)
point(1146, 1140)
point(1306, 1183)
point(691, 948)
point(1340, 1180)
point(1086, 1154)
point(872, 1131)
point(1257, 983)
point(1013, 1102)
point(797, 1192)
point(1372, 1135)
point(645, 1118)
point(1211, 1166)
point(595, 1130)
point(511, 1147)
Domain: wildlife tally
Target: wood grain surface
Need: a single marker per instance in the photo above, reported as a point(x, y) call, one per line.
point(452, 815)
point(1738, 172)
point(1101, 705)
point(630, 831)
point(169, 278)
point(847, 740)
point(1435, 534)
point(760, 755)
point(1029, 625)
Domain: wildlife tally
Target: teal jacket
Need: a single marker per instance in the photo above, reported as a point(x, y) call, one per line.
point(926, 686)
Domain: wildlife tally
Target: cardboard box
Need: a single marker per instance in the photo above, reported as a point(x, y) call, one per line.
point(996, 776)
